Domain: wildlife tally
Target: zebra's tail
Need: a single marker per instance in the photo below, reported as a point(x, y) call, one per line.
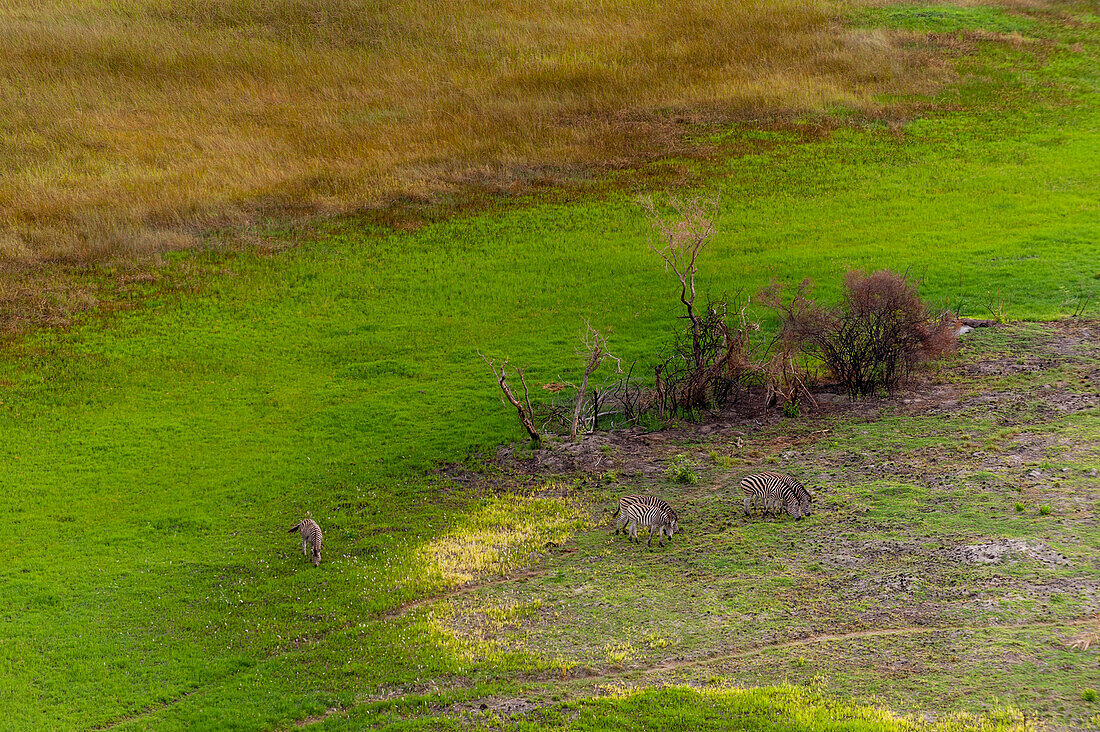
point(295, 527)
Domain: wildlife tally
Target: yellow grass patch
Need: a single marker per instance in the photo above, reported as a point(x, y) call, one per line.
point(501, 535)
point(123, 120)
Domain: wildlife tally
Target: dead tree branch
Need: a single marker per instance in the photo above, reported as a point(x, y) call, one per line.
point(524, 410)
point(682, 237)
point(595, 351)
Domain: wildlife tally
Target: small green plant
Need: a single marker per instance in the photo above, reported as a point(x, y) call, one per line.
point(800, 661)
point(1089, 695)
point(657, 640)
point(791, 409)
point(652, 422)
point(617, 653)
point(996, 307)
point(680, 470)
point(723, 461)
point(1019, 507)
point(1044, 510)
point(564, 667)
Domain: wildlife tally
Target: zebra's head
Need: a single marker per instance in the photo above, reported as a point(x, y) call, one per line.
point(673, 521)
point(806, 503)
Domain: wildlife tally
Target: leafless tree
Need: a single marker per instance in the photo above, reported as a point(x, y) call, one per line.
point(595, 351)
point(524, 409)
point(682, 237)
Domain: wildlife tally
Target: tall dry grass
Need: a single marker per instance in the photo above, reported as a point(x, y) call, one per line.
point(126, 125)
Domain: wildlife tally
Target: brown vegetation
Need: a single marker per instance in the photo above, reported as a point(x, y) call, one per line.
point(128, 126)
point(874, 338)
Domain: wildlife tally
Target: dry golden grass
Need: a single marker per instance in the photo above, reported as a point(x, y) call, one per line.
point(125, 125)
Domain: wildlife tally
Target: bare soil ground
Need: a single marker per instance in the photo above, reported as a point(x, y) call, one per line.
point(952, 561)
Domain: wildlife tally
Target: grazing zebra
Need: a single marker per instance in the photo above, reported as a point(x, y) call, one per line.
point(775, 489)
point(645, 502)
point(311, 539)
point(804, 498)
point(647, 511)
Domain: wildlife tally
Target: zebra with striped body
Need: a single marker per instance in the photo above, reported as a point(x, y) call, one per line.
point(775, 490)
point(805, 500)
point(645, 502)
point(648, 511)
point(311, 539)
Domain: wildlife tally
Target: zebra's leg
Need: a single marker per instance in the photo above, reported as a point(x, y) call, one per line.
point(748, 502)
point(305, 546)
point(660, 535)
point(633, 531)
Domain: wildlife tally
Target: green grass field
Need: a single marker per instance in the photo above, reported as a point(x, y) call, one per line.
point(155, 456)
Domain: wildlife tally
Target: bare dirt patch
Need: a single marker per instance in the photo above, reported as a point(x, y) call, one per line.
point(998, 552)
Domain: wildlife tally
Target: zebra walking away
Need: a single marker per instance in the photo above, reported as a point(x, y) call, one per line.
point(648, 511)
point(311, 539)
point(775, 490)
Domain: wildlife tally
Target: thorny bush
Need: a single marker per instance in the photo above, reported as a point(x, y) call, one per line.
point(874, 338)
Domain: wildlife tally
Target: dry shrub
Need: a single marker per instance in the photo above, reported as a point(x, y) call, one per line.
point(874, 338)
point(711, 360)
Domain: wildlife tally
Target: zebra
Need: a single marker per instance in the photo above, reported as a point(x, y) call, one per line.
point(311, 539)
point(805, 500)
point(775, 489)
point(649, 511)
point(646, 501)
